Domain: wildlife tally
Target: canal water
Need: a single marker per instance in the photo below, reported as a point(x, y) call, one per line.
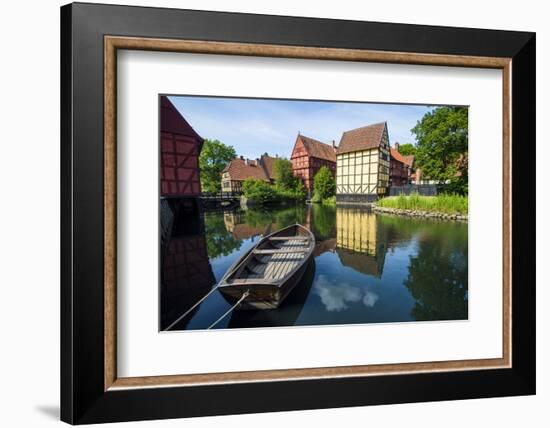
point(368, 268)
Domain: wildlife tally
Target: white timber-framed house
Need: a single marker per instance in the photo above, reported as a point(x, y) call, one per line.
point(363, 164)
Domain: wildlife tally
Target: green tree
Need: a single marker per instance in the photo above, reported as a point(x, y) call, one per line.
point(213, 159)
point(407, 149)
point(284, 176)
point(442, 146)
point(324, 185)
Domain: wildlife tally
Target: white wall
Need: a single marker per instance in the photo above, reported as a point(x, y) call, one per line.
point(29, 230)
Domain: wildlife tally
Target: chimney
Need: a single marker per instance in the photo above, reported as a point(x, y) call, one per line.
point(333, 144)
point(242, 157)
point(396, 146)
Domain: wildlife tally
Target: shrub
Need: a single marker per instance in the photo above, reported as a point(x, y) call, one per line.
point(258, 191)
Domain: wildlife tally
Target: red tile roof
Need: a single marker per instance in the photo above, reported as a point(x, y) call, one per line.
point(397, 156)
point(316, 149)
point(409, 160)
point(365, 138)
point(241, 169)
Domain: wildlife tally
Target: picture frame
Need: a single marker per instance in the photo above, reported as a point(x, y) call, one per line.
point(91, 391)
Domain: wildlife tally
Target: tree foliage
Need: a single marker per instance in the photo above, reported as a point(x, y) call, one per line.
point(407, 149)
point(442, 146)
point(213, 159)
point(258, 191)
point(284, 176)
point(324, 185)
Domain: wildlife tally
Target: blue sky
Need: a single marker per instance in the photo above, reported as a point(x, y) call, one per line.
point(255, 126)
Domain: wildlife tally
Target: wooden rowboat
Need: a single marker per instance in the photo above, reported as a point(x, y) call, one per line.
point(265, 274)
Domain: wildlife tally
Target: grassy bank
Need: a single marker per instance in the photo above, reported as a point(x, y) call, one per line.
point(448, 204)
point(326, 201)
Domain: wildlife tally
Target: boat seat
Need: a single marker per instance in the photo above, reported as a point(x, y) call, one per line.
point(289, 238)
point(283, 251)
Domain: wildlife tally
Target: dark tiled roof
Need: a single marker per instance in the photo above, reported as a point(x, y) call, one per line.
point(267, 162)
point(365, 138)
point(318, 150)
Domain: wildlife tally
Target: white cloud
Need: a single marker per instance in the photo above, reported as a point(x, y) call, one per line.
point(336, 297)
point(370, 299)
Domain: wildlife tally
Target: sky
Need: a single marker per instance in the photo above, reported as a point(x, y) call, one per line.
point(256, 126)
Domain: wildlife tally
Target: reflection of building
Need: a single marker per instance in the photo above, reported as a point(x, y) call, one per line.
point(180, 147)
point(308, 156)
point(236, 224)
point(186, 276)
point(361, 242)
point(326, 245)
point(363, 162)
point(240, 169)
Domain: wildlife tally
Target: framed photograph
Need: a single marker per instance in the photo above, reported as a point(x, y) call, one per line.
point(276, 213)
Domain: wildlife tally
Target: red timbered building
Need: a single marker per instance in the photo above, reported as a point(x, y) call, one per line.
point(398, 170)
point(180, 147)
point(308, 156)
point(400, 167)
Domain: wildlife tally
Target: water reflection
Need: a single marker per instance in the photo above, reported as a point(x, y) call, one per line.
point(361, 241)
point(186, 273)
point(287, 314)
point(368, 268)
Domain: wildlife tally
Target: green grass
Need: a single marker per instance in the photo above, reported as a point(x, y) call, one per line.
point(448, 204)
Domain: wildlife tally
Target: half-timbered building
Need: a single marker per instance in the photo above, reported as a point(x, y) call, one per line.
point(180, 147)
point(308, 156)
point(363, 164)
point(239, 169)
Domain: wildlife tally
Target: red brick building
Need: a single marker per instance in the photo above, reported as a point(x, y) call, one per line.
point(308, 156)
point(180, 147)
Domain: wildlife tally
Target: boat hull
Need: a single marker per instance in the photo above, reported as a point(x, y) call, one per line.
point(283, 257)
point(263, 296)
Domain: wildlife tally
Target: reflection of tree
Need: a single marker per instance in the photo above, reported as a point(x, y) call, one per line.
point(258, 217)
point(324, 221)
point(438, 278)
point(290, 215)
point(219, 241)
